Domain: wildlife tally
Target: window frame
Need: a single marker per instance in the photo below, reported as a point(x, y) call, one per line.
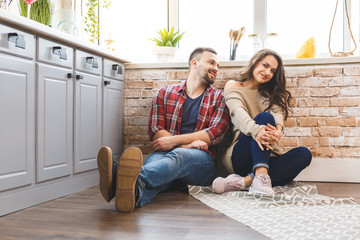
point(260, 16)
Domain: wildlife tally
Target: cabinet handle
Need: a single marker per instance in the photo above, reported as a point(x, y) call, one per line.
point(106, 82)
point(117, 67)
point(18, 39)
point(78, 77)
point(60, 51)
point(71, 75)
point(92, 61)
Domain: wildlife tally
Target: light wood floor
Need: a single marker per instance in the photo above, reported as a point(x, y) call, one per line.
point(171, 215)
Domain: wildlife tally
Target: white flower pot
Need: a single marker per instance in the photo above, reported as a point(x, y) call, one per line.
point(164, 53)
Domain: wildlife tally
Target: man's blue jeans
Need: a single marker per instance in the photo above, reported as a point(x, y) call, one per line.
point(162, 169)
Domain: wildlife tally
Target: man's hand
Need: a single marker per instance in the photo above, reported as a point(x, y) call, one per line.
point(198, 144)
point(163, 144)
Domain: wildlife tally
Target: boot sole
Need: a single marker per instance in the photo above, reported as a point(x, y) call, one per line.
point(104, 162)
point(127, 173)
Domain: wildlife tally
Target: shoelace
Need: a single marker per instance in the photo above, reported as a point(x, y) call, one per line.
point(264, 179)
point(235, 185)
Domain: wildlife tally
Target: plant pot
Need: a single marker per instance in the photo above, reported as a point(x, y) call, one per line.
point(164, 53)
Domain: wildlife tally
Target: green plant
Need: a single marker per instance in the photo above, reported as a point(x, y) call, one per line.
point(41, 11)
point(167, 38)
point(91, 19)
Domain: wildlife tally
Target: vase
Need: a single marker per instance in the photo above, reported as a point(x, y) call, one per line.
point(164, 53)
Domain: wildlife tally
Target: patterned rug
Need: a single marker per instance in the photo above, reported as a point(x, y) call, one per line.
point(296, 211)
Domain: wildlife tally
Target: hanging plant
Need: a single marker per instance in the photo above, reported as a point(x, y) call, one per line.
point(91, 19)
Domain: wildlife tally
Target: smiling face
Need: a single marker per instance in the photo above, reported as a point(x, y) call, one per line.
point(207, 67)
point(264, 70)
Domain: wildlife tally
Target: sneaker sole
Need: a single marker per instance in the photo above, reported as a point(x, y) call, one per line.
point(127, 173)
point(104, 162)
point(252, 190)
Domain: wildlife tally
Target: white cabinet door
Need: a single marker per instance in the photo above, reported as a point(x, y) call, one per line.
point(54, 122)
point(87, 128)
point(113, 115)
point(17, 122)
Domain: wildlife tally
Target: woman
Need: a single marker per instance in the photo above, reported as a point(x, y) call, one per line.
point(258, 104)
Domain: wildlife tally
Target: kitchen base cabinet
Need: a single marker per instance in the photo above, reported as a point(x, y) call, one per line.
point(17, 122)
point(87, 128)
point(51, 104)
point(54, 142)
point(113, 112)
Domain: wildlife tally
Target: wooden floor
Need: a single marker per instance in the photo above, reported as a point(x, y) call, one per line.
point(171, 215)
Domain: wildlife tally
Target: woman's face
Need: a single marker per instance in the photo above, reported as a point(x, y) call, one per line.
point(265, 69)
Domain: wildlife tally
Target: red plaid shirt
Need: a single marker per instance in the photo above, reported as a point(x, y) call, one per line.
point(166, 112)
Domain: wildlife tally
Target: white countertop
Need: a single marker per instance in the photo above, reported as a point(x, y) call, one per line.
point(33, 27)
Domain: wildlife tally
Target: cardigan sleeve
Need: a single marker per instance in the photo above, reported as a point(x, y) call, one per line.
point(239, 115)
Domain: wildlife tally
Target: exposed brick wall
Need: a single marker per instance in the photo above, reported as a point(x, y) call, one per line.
point(326, 106)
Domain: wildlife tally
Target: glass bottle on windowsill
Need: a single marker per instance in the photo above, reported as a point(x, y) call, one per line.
point(257, 45)
point(271, 41)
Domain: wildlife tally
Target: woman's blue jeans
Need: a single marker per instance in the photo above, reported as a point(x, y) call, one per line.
point(247, 155)
point(164, 170)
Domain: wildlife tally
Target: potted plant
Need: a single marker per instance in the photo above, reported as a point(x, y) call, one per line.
point(41, 11)
point(165, 45)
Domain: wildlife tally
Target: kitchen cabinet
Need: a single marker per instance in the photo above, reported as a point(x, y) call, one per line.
point(54, 142)
point(52, 100)
point(88, 110)
point(17, 122)
point(113, 106)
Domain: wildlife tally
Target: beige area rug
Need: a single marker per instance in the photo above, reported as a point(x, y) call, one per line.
point(296, 211)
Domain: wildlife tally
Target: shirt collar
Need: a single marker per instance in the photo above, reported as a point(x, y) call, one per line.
point(182, 87)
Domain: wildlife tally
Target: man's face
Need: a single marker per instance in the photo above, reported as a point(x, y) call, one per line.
point(208, 67)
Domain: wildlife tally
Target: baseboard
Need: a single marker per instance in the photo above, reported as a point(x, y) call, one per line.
point(31, 197)
point(331, 170)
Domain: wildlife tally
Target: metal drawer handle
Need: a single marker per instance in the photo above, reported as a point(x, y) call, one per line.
point(117, 67)
point(78, 77)
point(92, 61)
point(60, 51)
point(18, 39)
point(71, 75)
point(106, 82)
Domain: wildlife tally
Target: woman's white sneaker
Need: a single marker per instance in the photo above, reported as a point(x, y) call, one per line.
point(262, 184)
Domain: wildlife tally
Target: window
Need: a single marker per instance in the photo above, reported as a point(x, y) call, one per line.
point(305, 19)
point(208, 22)
point(131, 23)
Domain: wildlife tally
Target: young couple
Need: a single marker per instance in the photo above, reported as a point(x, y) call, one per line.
point(188, 120)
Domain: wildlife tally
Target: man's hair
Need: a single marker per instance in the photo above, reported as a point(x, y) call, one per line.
point(199, 51)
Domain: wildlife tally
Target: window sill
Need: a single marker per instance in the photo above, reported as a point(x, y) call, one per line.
point(225, 64)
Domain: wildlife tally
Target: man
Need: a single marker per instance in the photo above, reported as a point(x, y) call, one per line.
point(185, 122)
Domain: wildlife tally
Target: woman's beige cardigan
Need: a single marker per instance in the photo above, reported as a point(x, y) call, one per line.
point(244, 104)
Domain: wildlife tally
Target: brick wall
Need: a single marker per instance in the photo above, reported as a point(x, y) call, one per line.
point(326, 106)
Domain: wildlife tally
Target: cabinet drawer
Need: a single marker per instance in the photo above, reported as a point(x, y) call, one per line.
point(55, 53)
point(114, 69)
point(17, 42)
point(88, 62)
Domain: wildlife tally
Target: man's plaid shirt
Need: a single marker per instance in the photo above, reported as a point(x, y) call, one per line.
point(166, 112)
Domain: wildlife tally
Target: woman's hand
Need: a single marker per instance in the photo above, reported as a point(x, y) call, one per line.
point(272, 135)
point(259, 138)
point(268, 136)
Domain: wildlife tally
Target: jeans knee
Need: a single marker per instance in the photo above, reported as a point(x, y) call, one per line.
point(265, 118)
point(305, 155)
